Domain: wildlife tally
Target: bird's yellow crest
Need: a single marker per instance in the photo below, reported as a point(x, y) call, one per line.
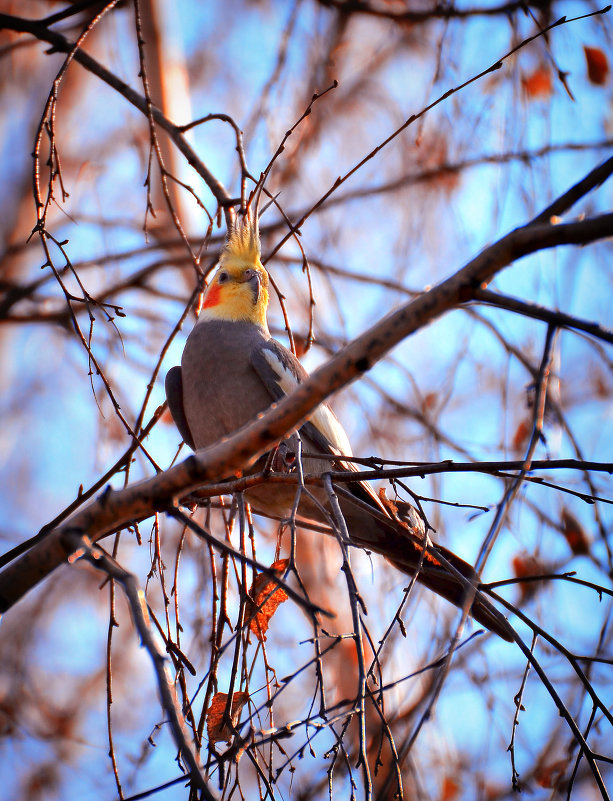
point(243, 244)
point(239, 289)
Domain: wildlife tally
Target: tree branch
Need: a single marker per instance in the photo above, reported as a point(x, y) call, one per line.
point(78, 546)
point(40, 31)
point(538, 312)
point(116, 509)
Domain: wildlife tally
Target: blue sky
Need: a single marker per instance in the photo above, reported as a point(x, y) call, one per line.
point(416, 237)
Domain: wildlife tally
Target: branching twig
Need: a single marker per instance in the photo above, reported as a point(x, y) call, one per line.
point(79, 546)
point(115, 509)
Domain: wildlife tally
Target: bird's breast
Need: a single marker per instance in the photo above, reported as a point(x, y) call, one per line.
point(221, 390)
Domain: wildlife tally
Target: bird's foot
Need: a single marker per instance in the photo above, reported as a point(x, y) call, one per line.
point(281, 460)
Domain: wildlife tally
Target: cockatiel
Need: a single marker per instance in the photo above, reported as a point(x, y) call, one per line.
point(232, 369)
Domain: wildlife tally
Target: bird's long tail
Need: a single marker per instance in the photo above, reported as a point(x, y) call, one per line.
point(391, 537)
point(438, 578)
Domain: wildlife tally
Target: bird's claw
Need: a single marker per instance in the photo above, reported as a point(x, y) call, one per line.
point(282, 459)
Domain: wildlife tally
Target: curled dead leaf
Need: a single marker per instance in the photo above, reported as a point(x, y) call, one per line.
point(265, 597)
point(216, 729)
point(524, 566)
point(451, 789)
point(549, 776)
point(429, 401)
point(597, 65)
point(538, 83)
point(574, 534)
point(601, 386)
point(522, 435)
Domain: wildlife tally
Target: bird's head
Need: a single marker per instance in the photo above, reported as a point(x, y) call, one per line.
point(239, 289)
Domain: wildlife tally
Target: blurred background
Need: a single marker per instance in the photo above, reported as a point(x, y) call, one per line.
point(89, 327)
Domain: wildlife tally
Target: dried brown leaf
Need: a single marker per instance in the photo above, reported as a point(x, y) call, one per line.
point(574, 534)
point(525, 565)
point(549, 775)
point(215, 726)
point(267, 593)
point(538, 83)
point(430, 400)
point(597, 65)
point(450, 789)
point(521, 435)
point(601, 386)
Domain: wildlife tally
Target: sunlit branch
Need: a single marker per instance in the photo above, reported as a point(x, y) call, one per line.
point(136, 502)
point(78, 546)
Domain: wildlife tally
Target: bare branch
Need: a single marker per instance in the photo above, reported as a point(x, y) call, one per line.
point(115, 509)
point(79, 546)
point(40, 31)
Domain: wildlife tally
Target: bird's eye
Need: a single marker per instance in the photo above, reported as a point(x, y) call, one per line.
point(249, 273)
point(223, 277)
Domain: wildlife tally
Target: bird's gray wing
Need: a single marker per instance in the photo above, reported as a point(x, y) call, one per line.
point(370, 522)
point(174, 396)
point(281, 372)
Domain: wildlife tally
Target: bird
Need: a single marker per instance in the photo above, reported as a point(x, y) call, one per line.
point(232, 370)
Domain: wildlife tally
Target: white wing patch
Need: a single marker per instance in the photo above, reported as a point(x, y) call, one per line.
point(323, 418)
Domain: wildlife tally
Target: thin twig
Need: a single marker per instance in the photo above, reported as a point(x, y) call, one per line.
point(79, 546)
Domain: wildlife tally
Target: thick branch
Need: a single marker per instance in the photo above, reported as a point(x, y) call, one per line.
point(116, 509)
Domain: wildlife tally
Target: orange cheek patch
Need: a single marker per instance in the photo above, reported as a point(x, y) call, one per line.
point(212, 297)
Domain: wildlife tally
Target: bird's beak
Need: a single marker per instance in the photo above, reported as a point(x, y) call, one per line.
point(256, 286)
